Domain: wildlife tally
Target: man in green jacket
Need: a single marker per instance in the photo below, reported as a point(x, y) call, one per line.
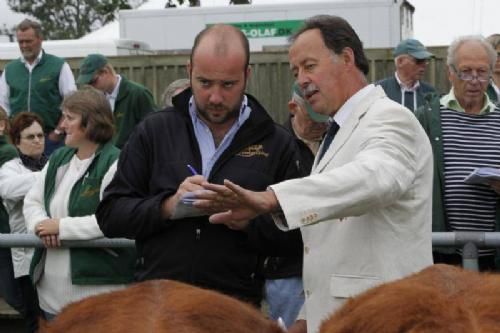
point(464, 129)
point(129, 101)
point(406, 86)
point(36, 82)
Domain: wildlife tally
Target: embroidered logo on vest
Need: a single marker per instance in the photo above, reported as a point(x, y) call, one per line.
point(90, 192)
point(255, 150)
point(45, 79)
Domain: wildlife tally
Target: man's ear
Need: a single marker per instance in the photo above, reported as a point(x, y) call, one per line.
point(450, 72)
point(292, 107)
point(399, 61)
point(2, 127)
point(347, 56)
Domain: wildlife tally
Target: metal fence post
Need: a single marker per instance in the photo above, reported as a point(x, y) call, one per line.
point(470, 256)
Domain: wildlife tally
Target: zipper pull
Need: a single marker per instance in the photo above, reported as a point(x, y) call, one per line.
point(198, 232)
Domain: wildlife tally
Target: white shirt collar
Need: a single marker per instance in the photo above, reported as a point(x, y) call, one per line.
point(114, 93)
point(344, 112)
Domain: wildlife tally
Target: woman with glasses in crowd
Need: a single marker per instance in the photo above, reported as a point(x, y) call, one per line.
point(62, 203)
point(17, 177)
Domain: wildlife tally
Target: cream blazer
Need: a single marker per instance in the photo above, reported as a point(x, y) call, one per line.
point(365, 210)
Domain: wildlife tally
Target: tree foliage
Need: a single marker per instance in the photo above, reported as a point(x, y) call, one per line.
point(67, 19)
point(196, 3)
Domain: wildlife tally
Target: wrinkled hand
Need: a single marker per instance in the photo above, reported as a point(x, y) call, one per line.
point(47, 227)
point(48, 231)
point(51, 241)
point(234, 205)
point(495, 185)
point(190, 184)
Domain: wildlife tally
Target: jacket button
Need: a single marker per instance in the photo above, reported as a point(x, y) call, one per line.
point(308, 293)
point(306, 249)
point(436, 138)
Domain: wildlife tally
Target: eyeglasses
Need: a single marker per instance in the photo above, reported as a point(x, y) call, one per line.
point(467, 75)
point(421, 61)
point(32, 137)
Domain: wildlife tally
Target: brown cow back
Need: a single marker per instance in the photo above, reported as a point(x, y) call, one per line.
point(439, 299)
point(160, 306)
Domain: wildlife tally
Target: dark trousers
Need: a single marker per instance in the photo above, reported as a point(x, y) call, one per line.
point(9, 288)
point(30, 299)
point(19, 293)
point(485, 263)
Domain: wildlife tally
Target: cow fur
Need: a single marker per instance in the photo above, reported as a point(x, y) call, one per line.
point(439, 299)
point(160, 306)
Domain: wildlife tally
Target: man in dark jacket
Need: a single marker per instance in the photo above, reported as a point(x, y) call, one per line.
point(213, 132)
point(405, 86)
point(129, 101)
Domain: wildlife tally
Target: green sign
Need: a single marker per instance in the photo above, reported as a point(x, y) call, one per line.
point(268, 29)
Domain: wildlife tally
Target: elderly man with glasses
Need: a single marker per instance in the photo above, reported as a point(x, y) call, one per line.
point(405, 86)
point(464, 129)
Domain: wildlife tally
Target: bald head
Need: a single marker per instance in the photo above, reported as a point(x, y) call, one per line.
point(222, 40)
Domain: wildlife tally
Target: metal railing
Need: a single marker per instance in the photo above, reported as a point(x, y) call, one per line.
point(29, 240)
point(469, 241)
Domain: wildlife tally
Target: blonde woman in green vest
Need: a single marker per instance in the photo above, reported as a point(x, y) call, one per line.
point(62, 204)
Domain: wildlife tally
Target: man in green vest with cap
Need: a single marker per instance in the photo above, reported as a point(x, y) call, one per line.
point(36, 82)
point(129, 101)
point(405, 86)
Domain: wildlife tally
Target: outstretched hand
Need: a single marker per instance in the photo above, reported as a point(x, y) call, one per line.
point(235, 206)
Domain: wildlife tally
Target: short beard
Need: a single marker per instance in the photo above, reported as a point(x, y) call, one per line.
point(28, 55)
point(232, 114)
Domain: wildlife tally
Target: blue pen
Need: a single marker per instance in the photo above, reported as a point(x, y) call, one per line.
point(193, 170)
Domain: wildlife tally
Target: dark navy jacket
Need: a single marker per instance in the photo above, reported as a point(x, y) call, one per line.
point(151, 167)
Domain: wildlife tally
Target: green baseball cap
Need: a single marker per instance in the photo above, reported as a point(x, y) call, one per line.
point(412, 47)
point(89, 66)
point(317, 117)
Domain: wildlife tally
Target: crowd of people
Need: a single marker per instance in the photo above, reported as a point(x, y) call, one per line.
point(342, 197)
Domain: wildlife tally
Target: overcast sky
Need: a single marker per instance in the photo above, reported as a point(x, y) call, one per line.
point(436, 22)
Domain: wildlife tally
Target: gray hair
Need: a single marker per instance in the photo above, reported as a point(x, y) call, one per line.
point(452, 50)
point(29, 24)
point(169, 92)
point(494, 40)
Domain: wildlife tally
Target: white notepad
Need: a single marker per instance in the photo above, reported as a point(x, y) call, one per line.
point(482, 176)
